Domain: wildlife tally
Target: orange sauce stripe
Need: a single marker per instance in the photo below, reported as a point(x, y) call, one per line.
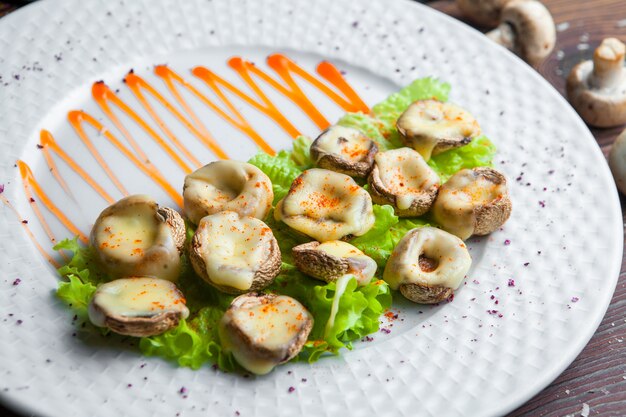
point(29, 233)
point(28, 180)
point(102, 94)
point(79, 117)
point(48, 143)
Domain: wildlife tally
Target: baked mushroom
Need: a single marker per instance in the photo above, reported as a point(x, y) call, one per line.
point(617, 161)
point(137, 237)
point(482, 12)
point(431, 127)
point(264, 330)
point(597, 89)
point(427, 265)
point(227, 186)
point(345, 150)
point(137, 306)
point(402, 179)
point(235, 254)
point(526, 29)
point(472, 202)
point(331, 260)
point(326, 205)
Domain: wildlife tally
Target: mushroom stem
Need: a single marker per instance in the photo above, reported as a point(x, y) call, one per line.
point(503, 35)
point(608, 61)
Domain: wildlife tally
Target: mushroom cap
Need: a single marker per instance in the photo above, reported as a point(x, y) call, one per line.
point(227, 186)
point(617, 161)
point(597, 89)
point(264, 330)
point(403, 179)
point(235, 254)
point(331, 260)
point(431, 127)
point(137, 237)
point(482, 12)
point(137, 306)
point(326, 205)
point(473, 202)
point(345, 150)
point(427, 265)
point(527, 29)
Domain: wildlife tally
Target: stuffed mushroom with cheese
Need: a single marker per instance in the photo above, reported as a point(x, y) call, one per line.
point(431, 127)
point(472, 202)
point(331, 260)
point(235, 254)
point(137, 237)
point(345, 150)
point(403, 179)
point(227, 186)
point(137, 306)
point(264, 330)
point(427, 265)
point(326, 205)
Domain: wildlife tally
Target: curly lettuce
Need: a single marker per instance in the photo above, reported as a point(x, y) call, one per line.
point(195, 341)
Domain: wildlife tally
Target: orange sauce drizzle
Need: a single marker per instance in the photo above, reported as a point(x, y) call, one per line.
point(49, 144)
point(341, 93)
point(77, 118)
point(28, 180)
point(102, 94)
point(41, 250)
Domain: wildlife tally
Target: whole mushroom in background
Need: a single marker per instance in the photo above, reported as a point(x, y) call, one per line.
point(527, 29)
point(597, 89)
point(617, 161)
point(482, 12)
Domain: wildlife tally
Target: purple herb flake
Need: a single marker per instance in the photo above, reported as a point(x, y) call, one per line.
point(511, 282)
point(291, 389)
point(575, 299)
point(507, 242)
point(17, 281)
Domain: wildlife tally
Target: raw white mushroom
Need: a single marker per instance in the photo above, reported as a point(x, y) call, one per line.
point(137, 306)
point(235, 254)
point(345, 150)
point(431, 127)
point(617, 161)
point(427, 265)
point(331, 260)
point(472, 202)
point(482, 12)
point(402, 178)
point(264, 330)
point(326, 205)
point(137, 237)
point(527, 29)
point(227, 186)
point(597, 89)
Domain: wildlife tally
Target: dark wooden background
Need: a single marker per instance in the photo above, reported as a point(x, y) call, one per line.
point(597, 378)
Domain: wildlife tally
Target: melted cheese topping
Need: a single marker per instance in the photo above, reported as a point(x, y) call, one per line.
point(326, 205)
point(132, 240)
point(361, 266)
point(273, 324)
point(233, 248)
point(129, 232)
point(136, 297)
point(348, 143)
point(426, 122)
point(227, 186)
point(454, 208)
point(450, 253)
point(405, 174)
point(340, 288)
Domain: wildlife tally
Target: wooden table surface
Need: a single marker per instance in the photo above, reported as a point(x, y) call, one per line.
point(597, 378)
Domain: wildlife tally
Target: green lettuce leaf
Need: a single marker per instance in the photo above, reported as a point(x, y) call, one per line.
point(379, 241)
point(479, 152)
point(357, 315)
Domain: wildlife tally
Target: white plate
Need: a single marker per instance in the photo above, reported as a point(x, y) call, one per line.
point(455, 359)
